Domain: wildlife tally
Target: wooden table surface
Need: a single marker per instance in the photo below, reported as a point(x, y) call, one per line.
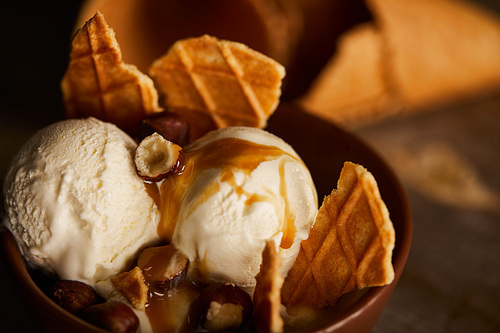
point(447, 160)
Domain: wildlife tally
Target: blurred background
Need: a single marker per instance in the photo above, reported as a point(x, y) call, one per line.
point(446, 157)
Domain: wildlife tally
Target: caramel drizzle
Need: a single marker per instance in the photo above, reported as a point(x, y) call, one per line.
point(230, 155)
point(167, 309)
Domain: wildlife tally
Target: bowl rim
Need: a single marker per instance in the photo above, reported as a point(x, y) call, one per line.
point(376, 295)
point(369, 301)
point(33, 294)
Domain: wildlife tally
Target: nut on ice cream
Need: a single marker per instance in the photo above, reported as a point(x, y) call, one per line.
point(240, 187)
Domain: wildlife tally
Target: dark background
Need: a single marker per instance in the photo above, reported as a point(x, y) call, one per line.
point(447, 160)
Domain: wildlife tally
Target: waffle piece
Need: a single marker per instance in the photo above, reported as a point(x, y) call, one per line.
point(349, 247)
point(97, 83)
point(352, 87)
point(215, 83)
point(267, 293)
point(414, 55)
point(458, 48)
point(132, 285)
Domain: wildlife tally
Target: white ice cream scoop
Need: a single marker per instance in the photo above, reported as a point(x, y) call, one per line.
point(75, 203)
point(240, 187)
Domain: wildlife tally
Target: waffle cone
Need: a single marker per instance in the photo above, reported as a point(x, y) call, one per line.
point(267, 293)
point(225, 83)
point(414, 55)
point(458, 47)
point(97, 83)
point(349, 247)
point(352, 87)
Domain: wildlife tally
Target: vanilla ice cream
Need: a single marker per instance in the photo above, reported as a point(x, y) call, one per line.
point(240, 187)
point(75, 203)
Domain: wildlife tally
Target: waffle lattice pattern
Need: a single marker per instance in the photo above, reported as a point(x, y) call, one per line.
point(227, 81)
point(349, 247)
point(97, 82)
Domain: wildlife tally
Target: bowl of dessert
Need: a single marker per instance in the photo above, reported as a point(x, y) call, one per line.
point(183, 214)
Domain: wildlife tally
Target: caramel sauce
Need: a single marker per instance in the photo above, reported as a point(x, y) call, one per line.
point(168, 310)
point(159, 261)
point(229, 155)
point(288, 228)
point(154, 193)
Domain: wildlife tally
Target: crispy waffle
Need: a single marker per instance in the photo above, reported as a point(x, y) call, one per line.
point(218, 83)
point(132, 285)
point(97, 83)
point(349, 247)
point(352, 87)
point(267, 294)
point(458, 46)
point(413, 56)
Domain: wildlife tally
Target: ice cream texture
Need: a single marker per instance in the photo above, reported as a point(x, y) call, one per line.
point(75, 203)
point(240, 187)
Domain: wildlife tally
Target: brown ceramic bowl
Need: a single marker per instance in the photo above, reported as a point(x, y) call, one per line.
point(324, 148)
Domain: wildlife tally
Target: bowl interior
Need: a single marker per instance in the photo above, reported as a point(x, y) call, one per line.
point(324, 148)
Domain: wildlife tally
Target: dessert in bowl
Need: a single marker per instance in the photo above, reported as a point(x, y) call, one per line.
point(286, 205)
point(324, 148)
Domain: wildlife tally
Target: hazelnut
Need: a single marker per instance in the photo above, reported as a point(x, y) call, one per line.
point(113, 316)
point(222, 307)
point(164, 267)
point(156, 158)
point(169, 125)
point(73, 296)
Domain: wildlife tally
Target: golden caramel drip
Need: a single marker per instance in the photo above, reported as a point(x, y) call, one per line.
point(230, 155)
point(167, 308)
point(289, 221)
point(168, 311)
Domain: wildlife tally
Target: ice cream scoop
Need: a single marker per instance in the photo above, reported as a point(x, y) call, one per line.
point(239, 188)
point(75, 203)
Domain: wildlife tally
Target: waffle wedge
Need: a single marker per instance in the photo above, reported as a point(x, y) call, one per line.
point(349, 247)
point(218, 83)
point(415, 55)
point(98, 83)
point(133, 287)
point(267, 294)
point(357, 61)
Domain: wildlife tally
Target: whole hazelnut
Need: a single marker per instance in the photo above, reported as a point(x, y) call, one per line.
point(164, 267)
point(73, 296)
point(113, 316)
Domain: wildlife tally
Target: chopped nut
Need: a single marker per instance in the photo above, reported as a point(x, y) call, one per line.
point(221, 317)
point(164, 267)
point(221, 307)
point(169, 125)
point(156, 158)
